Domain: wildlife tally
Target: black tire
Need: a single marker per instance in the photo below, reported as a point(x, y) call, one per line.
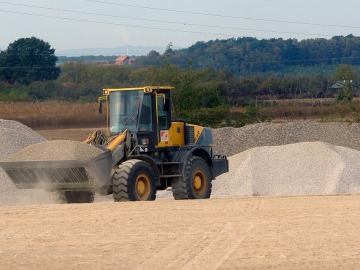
point(134, 180)
point(62, 197)
point(196, 183)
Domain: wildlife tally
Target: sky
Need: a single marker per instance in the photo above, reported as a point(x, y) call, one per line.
point(77, 24)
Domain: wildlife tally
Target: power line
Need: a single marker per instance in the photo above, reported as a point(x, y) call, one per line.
point(223, 16)
point(159, 28)
point(96, 14)
point(122, 17)
point(172, 22)
point(111, 23)
point(134, 18)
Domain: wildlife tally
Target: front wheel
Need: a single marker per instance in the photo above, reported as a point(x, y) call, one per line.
point(196, 183)
point(134, 180)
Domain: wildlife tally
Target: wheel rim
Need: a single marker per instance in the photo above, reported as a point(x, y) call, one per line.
point(142, 187)
point(199, 183)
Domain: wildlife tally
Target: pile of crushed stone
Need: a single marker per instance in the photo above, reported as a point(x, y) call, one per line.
point(231, 141)
point(15, 136)
point(307, 168)
point(57, 150)
point(266, 159)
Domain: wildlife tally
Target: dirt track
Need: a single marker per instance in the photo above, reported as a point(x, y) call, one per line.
point(239, 233)
point(313, 232)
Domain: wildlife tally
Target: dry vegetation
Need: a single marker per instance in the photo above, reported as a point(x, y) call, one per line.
point(53, 114)
point(326, 109)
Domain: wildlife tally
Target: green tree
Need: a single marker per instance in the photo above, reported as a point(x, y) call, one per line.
point(27, 60)
point(347, 74)
point(74, 73)
point(169, 49)
point(197, 96)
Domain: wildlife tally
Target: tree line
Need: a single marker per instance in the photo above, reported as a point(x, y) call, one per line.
point(206, 84)
point(80, 81)
point(248, 56)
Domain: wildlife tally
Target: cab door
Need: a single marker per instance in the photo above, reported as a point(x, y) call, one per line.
point(169, 133)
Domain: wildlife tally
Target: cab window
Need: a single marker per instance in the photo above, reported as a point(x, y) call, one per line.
point(163, 114)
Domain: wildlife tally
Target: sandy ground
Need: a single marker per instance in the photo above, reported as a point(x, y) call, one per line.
point(312, 232)
point(237, 233)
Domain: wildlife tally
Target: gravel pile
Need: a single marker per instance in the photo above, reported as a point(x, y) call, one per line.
point(231, 141)
point(307, 168)
point(57, 150)
point(14, 136)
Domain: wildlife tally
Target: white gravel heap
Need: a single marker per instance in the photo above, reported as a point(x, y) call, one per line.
point(307, 168)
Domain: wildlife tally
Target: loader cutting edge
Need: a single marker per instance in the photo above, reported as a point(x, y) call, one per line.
point(60, 174)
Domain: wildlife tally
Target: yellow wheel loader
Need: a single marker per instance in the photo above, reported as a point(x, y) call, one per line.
point(143, 151)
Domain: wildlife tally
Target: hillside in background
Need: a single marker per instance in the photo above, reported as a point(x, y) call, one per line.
point(244, 56)
point(248, 56)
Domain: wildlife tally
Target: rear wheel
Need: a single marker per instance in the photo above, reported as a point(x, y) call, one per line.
point(62, 197)
point(196, 183)
point(134, 181)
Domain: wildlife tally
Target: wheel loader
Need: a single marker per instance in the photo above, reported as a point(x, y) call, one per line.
point(143, 150)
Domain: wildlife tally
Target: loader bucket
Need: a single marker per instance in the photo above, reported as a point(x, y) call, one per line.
point(60, 174)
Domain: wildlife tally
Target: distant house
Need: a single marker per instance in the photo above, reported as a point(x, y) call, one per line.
point(343, 85)
point(124, 60)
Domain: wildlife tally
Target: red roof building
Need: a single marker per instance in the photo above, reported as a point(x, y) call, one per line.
point(124, 60)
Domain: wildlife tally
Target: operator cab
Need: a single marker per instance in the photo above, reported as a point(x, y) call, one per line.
point(130, 110)
point(143, 111)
